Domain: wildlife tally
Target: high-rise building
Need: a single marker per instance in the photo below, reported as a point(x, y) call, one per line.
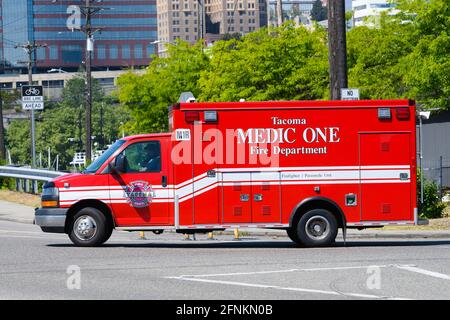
point(125, 30)
point(236, 16)
point(189, 20)
point(178, 19)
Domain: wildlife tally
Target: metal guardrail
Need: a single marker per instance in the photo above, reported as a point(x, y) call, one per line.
point(29, 173)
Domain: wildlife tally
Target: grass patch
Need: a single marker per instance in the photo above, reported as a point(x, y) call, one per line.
point(26, 199)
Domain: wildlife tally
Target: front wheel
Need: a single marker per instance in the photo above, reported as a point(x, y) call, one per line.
point(89, 228)
point(317, 228)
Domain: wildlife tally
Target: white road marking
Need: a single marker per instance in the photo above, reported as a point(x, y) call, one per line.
point(283, 271)
point(255, 285)
point(29, 237)
point(199, 277)
point(20, 231)
point(425, 272)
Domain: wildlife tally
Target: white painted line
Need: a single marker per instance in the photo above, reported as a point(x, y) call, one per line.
point(30, 237)
point(255, 285)
point(283, 271)
point(425, 272)
point(232, 274)
point(20, 231)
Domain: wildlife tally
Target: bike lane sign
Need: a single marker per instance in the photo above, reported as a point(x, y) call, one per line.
point(32, 98)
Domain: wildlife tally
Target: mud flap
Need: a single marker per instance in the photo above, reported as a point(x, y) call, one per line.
point(344, 234)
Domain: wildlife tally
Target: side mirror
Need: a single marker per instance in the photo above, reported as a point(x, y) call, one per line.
point(118, 164)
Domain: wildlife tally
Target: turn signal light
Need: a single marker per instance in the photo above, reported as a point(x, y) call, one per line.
point(49, 203)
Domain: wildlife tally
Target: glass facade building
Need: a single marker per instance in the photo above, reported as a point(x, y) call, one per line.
point(125, 29)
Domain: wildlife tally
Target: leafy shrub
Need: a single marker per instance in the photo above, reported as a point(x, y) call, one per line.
point(432, 206)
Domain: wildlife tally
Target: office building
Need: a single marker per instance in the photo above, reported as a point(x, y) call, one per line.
point(191, 20)
point(366, 12)
point(124, 32)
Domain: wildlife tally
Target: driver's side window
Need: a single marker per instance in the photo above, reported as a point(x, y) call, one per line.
point(143, 157)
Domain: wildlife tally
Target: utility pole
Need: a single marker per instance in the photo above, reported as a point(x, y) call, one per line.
point(88, 11)
point(201, 19)
point(30, 48)
point(337, 48)
point(2, 130)
point(101, 140)
point(279, 12)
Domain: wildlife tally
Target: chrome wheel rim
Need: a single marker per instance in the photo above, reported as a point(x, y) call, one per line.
point(85, 228)
point(317, 227)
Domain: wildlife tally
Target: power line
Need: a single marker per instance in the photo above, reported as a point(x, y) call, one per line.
point(88, 11)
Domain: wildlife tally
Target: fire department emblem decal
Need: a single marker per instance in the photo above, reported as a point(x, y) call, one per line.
point(139, 194)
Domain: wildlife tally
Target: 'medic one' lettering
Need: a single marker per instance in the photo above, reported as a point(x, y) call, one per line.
point(266, 135)
point(282, 135)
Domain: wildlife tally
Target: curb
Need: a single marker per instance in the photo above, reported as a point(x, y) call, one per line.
point(425, 235)
point(388, 234)
point(378, 235)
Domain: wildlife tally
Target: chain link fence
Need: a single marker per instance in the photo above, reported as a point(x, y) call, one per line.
point(438, 170)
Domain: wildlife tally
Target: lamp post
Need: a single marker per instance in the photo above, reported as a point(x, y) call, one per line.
point(422, 115)
point(59, 70)
point(158, 41)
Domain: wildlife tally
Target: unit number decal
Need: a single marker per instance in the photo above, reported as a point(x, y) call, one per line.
point(182, 134)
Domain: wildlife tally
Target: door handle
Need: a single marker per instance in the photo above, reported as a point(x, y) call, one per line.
point(244, 197)
point(164, 181)
point(258, 197)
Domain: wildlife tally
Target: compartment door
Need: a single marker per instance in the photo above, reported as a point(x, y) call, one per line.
point(266, 197)
point(236, 197)
point(385, 176)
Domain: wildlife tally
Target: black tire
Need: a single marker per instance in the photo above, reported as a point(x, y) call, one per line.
point(317, 228)
point(89, 228)
point(292, 234)
point(108, 233)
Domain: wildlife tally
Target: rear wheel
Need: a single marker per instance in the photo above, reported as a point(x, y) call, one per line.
point(89, 228)
point(292, 234)
point(317, 228)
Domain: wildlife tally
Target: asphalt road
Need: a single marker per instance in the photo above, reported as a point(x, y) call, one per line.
point(35, 265)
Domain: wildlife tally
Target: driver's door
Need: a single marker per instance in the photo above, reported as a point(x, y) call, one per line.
point(140, 196)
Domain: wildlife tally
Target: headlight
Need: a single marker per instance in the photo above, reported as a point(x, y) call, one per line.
point(50, 195)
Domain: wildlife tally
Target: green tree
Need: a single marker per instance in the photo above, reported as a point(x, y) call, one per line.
point(406, 55)
point(61, 126)
point(426, 68)
point(148, 96)
point(289, 63)
point(373, 56)
point(74, 92)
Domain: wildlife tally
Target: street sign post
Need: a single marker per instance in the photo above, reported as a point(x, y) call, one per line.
point(32, 98)
point(349, 94)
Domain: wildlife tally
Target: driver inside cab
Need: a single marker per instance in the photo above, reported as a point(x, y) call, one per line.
point(150, 158)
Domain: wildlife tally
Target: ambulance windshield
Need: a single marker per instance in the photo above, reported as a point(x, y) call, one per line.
point(94, 166)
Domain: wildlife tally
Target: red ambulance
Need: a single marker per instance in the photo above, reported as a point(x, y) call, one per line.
point(308, 167)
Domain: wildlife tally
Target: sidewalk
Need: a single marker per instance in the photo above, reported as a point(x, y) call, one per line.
point(358, 234)
point(11, 211)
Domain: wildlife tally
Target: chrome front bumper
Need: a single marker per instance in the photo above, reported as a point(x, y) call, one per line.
point(51, 219)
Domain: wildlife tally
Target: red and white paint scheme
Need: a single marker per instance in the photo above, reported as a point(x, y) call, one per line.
point(309, 167)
